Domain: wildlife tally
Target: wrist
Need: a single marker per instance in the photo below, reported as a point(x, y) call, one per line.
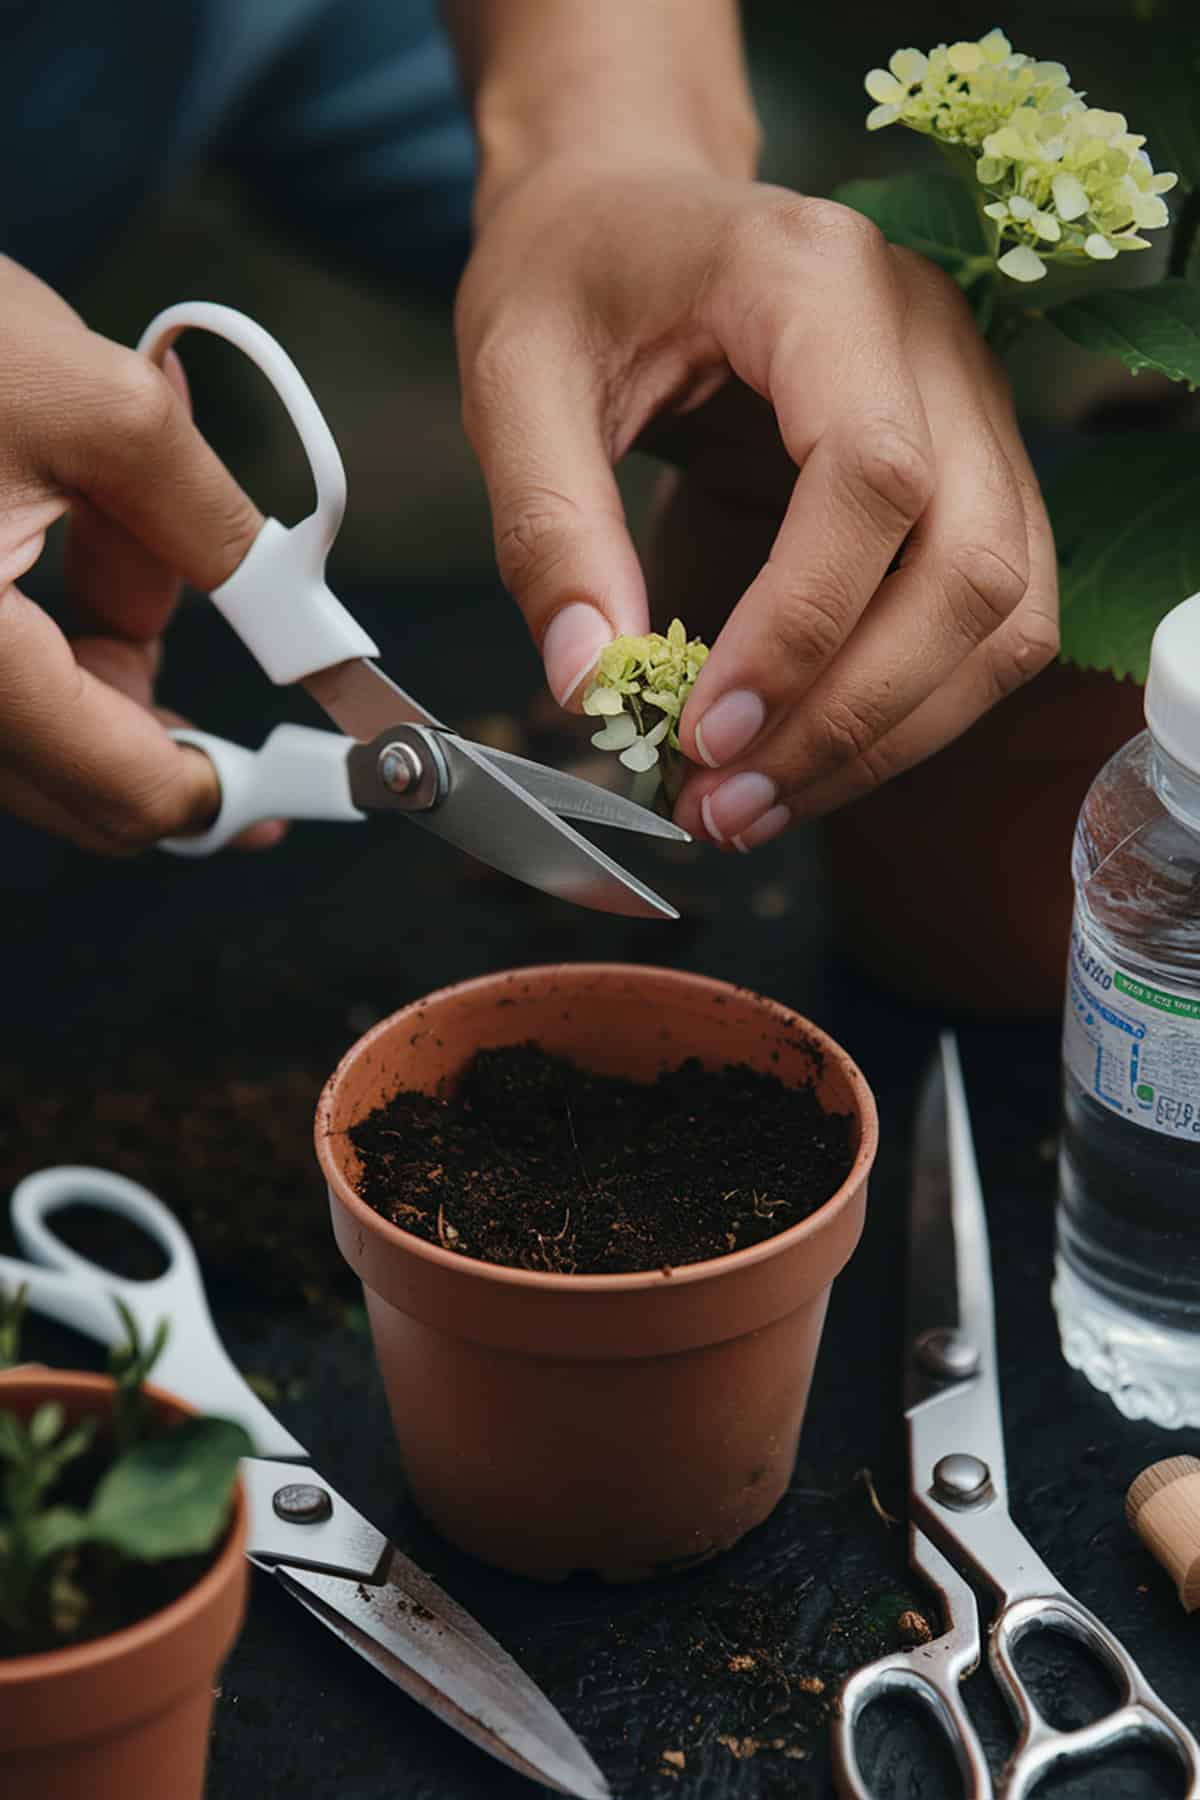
point(515, 143)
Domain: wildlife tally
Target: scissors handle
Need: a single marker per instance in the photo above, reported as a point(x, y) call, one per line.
point(277, 599)
point(928, 1676)
point(297, 774)
point(79, 1293)
point(1139, 1715)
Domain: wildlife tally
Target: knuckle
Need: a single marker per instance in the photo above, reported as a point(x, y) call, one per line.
point(1016, 656)
point(849, 731)
point(892, 475)
point(134, 821)
point(141, 402)
point(844, 232)
point(808, 627)
point(983, 588)
point(532, 537)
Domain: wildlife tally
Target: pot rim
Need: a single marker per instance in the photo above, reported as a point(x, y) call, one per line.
point(545, 1281)
point(59, 1664)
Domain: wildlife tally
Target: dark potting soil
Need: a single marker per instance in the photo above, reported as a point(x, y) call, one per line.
point(538, 1164)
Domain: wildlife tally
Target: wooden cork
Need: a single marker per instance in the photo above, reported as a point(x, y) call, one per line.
point(1163, 1506)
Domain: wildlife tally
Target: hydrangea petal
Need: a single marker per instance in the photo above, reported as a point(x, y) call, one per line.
point(1099, 248)
point(618, 734)
point(908, 66)
point(1070, 196)
point(640, 756)
point(884, 87)
point(603, 702)
point(1021, 264)
point(965, 58)
point(879, 116)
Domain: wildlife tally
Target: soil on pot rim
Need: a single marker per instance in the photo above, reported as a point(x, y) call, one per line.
point(535, 1163)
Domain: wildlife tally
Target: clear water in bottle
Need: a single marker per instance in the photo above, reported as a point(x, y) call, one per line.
point(1127, 1277)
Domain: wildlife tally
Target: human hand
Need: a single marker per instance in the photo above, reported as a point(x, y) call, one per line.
point(811, 382)
point(94, 430)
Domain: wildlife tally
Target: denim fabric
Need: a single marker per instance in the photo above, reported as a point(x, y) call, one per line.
point(342, 117)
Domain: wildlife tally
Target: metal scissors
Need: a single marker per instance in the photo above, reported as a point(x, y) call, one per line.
point(301, 1530)
point(396, 756)
point(959, 1500)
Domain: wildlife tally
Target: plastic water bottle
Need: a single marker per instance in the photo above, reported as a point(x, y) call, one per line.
point(1127, 1269)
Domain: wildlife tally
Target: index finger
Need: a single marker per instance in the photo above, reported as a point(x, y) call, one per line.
point(111, 777)
point(852, 419)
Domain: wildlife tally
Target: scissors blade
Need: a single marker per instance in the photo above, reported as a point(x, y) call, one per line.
point(573, 798)
point(950, 1275)
point(362, 701)
point(490, 816)
point(418, 1637)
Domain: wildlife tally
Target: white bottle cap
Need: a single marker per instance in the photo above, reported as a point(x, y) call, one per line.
point(1173, 685)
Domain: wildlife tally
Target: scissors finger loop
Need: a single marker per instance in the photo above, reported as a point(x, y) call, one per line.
point(932, 1685)
point(39, 1196)
point(1139, 1716)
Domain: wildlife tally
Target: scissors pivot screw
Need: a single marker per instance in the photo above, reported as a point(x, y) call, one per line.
point(947, 1353)
point(302, 1503)
point(961, 1480)
point(399, 768)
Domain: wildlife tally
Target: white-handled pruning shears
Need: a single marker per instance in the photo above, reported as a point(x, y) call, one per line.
point(322, 1551)
point(395, 756)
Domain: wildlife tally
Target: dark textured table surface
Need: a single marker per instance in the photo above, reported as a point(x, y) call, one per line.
point(176, 1019)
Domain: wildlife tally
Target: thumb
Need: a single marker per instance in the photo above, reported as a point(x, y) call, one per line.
point(562, 544)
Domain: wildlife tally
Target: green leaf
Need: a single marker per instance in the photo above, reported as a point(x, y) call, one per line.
point(12, 1312)
point(933, 213)
point(1145, 328)
point(14, 1441)
point(45, 1425)
point(58, 1528)
point(1127, 523)
point(169, 1496)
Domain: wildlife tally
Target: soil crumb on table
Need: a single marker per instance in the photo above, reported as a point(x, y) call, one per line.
point(538, 1164)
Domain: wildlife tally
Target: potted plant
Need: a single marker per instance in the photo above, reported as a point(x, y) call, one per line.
point(122, 1577)
point(636, 1419)
point(1036, 209)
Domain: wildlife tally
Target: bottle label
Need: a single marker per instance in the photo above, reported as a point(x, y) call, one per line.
point(1131, 1045)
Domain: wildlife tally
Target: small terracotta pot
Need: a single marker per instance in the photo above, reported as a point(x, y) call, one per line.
point(625, 1424)
point(952, 883)
point(128, 1714)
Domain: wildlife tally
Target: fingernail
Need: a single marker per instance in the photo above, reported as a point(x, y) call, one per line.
point(730, 726)
point(571, 646)
point(764, 829)
point(731, 810)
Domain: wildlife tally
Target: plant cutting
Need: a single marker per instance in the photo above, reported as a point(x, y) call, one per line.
point(122, 1576)
point(558, 1407)
point(639, 688)
point(1042, 207)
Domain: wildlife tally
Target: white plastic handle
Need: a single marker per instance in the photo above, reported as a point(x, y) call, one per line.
point(78, 1293)
point(277, 599)
point(299, 773)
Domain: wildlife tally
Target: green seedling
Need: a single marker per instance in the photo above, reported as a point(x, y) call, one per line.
point(80, 1505)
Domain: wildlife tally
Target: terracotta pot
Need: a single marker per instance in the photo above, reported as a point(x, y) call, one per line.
point(625, 1424)
point(128, 1714)
point(952, 884)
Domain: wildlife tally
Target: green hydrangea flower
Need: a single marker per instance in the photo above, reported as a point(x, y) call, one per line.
point(1059, 181)
point(639, 689)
